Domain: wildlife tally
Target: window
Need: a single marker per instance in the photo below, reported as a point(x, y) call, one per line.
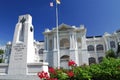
point(90, 48)
point(64, 43)
point(41, 51)
point(99, 47)
point(100, 59)
point(41, 60)
point(92, 60)
point(112, 44)
point(79, 42)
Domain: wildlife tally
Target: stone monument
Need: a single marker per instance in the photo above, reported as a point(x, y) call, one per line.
point(22, 46)
point(22, 65)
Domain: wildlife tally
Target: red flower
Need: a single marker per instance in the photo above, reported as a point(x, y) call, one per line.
point(71, 63)
point(70, 74)
point(52, 79)
point(43, 75)
point(52, 70)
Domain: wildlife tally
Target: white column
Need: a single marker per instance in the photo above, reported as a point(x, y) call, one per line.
point(95, 48)
point(47, 43)
point(55, 47)
point(73, 40)
point(71, 44)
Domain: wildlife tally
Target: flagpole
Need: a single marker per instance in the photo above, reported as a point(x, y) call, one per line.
point(58, 61)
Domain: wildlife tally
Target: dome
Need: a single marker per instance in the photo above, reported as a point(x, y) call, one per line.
point(9, 43)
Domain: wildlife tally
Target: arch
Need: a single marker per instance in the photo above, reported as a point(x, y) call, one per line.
point(99, 47)
point(112, 44)
point(92, 60)
point(65, 57)
point(64, 43)
point(100, 59)
point(90, 48)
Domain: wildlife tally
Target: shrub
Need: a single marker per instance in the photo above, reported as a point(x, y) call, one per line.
point(110, 53)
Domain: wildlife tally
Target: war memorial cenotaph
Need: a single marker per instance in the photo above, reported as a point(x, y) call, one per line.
point(22, 64)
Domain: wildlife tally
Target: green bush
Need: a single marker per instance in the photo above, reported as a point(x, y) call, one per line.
point(108, 69)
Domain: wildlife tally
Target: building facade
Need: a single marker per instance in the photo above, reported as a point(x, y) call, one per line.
point(73, 45)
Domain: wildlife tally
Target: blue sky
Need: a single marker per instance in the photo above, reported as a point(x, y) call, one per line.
point(98, 16)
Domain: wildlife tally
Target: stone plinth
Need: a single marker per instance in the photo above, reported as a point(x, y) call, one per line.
point(32, 70)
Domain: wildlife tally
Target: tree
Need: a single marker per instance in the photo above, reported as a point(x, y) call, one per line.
point(1, 53)
point(110, 53)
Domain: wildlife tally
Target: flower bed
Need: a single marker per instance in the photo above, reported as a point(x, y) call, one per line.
point(108, 69)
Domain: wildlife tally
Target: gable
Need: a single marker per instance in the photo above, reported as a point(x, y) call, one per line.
point(64, 27)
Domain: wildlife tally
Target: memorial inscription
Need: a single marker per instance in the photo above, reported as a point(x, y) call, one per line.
point(19, 50)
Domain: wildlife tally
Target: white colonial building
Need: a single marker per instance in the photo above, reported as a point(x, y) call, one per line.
point(73, 45)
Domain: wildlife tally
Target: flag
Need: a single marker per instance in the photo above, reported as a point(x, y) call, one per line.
point(51, 4)
point(58, 1)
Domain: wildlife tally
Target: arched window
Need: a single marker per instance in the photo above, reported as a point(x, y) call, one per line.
point(41, 51)
point(92, 60)
point(99, 47)
point(112, 44)
point(65, 43)
point(100, 59)
point(90, 48)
